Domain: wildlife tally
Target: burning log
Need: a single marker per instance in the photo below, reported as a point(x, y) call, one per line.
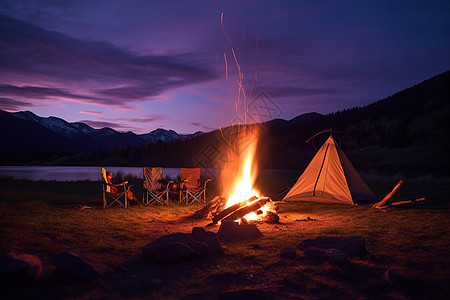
point(214, 206)
point(249, 208)
point(223, 214)
point(271, 218)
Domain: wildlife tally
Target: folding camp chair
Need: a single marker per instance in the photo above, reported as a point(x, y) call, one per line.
point(119, 197)
point(191, 189)
point(153, 190)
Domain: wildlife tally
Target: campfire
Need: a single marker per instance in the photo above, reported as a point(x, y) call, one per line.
point(241, 202)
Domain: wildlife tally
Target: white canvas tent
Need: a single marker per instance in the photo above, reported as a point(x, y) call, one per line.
point(330, 177)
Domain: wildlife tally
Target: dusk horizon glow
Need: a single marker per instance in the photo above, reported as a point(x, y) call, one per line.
point(138, 66)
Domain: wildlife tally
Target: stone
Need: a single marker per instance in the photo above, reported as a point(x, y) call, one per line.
point(231, 231)
point(246, 294)
point(331, 255)
point(351, 245)
point(288, 252)
point(271, 218)
point(79, 265)
point(207, 237)
point(20, 266)
point(174, 247)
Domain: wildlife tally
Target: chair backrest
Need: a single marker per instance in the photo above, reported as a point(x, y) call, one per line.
point(192, 175)
point(106, 187)
point(152, 178)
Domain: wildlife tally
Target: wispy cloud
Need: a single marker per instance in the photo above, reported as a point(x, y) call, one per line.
point(204, 127)
point(12, 104)
point(91, 72)
point(101, 124)
point(91, 112)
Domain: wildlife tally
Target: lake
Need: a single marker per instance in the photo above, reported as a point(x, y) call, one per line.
point(59, 173)
point(71, 173)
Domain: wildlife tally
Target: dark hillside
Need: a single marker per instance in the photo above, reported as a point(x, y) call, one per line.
point(404, 133)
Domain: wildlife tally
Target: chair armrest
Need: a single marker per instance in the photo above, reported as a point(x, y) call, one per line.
point(119, 184)
point(208, 180)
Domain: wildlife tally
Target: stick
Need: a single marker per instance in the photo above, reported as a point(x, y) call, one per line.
point(407, 201)
point(389, 196)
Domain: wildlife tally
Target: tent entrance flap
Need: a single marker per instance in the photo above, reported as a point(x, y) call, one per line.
point(320, 171)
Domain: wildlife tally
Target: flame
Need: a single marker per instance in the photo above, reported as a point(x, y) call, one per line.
point(242, 174)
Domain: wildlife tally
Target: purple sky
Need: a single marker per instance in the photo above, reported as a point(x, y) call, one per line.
point(140, 65)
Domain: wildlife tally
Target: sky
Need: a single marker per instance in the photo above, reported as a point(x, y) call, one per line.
point(139, 65)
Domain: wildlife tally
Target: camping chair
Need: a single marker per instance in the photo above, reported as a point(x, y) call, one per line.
point(153, 187)
point(119, 197)
point(191, 189)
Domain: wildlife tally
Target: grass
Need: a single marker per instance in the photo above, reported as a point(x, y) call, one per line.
point(45, 218)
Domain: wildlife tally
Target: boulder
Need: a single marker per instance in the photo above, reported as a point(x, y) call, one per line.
point(207, 237)
point(21, 266)
point(174, 247)
point(231, 231)
point(351, 245)
point(288, 252)
point(246, 294)
point(331, 255)
point(79, 265)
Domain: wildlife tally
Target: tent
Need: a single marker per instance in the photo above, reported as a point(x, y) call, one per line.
point(330, 177)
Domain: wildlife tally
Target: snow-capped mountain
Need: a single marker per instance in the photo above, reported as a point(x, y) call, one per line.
point(53, 123)
point(82, 136)
point(166, 136)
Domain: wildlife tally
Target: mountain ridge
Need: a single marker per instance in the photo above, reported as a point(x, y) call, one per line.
point(404, 132)
point(82, 136)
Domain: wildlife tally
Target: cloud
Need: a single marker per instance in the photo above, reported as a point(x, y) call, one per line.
point(91, 112)
point(39, 93)
point(41, 62)
point(12, 104)
point(204, 127)
point(145, 119)
point(102, 124)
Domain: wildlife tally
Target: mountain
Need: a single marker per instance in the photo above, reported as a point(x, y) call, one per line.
point(25, 133)
point(166, 136)
point(406, 133)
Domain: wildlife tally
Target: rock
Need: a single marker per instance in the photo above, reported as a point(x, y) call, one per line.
point(231, 231)
point(174, 247)
point(351, 245)
point(271, 218)
point(255, 246)
point(79, 265)
point(392, 277)
point(246, 294)
point(207, 237)
point(331, 255)
point(288, 252)
point(20, 266)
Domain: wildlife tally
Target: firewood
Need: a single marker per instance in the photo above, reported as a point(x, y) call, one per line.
point(245, 210)
point(231, 209)
point(400, 203)
point(271, 218)
point(389, 196)
point(215, 205)
point(407, 201)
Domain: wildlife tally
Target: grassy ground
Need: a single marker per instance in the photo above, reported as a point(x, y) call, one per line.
point(44, 218)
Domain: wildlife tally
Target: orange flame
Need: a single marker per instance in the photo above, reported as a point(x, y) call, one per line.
point(241, 172)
